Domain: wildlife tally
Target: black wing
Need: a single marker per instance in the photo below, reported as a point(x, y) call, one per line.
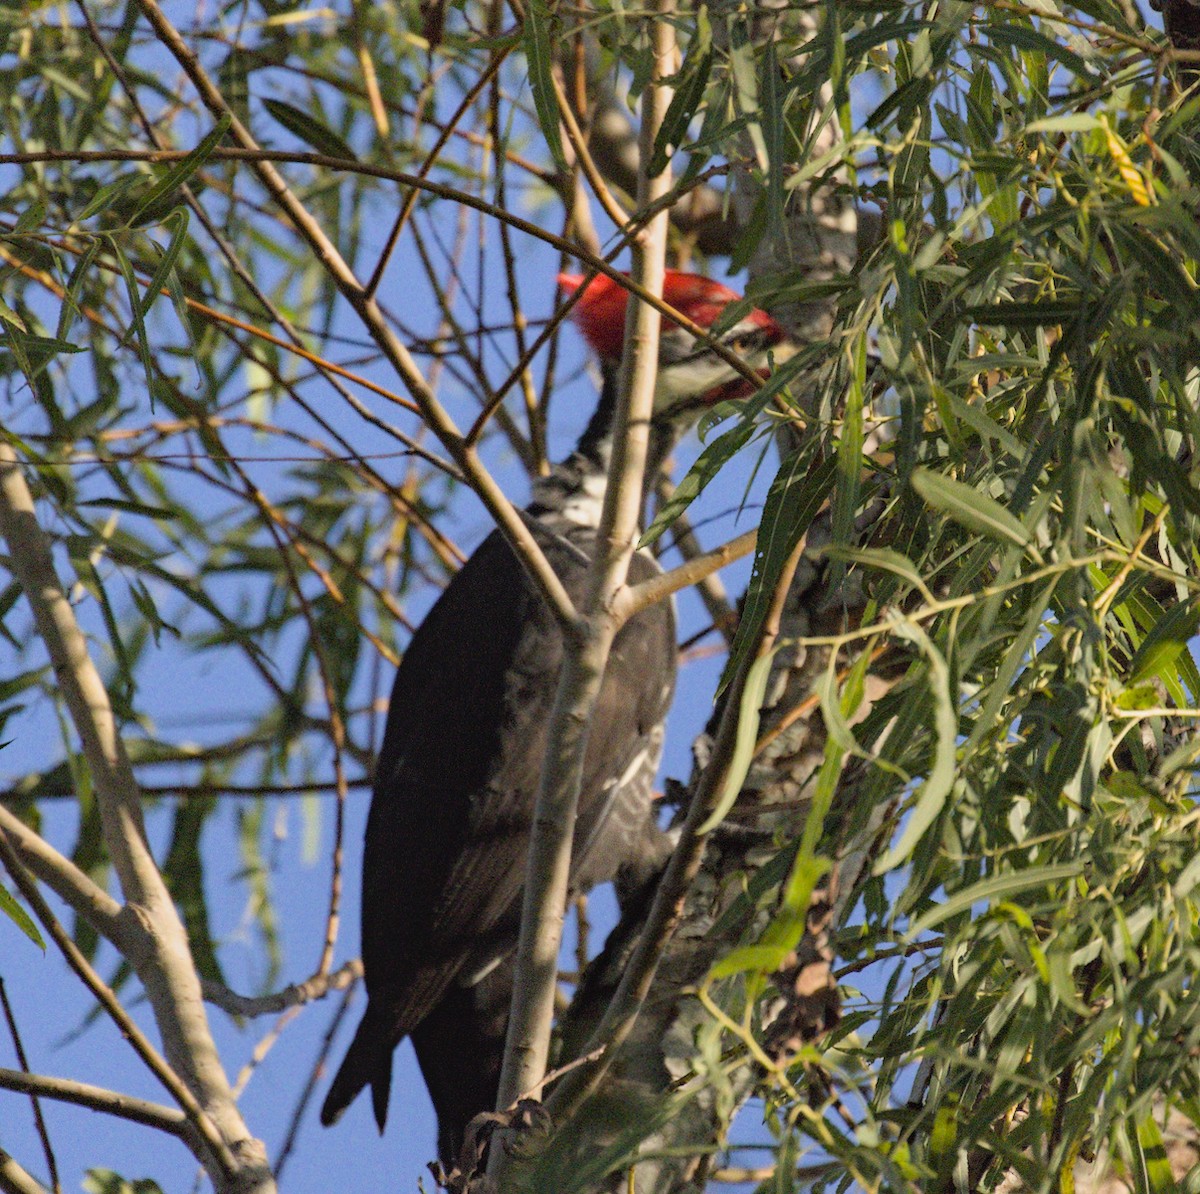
point(448, 831)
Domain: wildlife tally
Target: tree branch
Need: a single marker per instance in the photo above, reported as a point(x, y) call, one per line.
point(15, 1180)
point(635, 598)
point(293, 995)
point(212, 1144)
point(158, 947)
point(97, 1098)
point(548, 872)
point(667, 909)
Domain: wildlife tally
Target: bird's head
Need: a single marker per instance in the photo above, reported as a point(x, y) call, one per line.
point(691, 376)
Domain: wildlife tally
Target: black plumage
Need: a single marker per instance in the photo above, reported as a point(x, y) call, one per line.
point(448, 832)
point(447, 836)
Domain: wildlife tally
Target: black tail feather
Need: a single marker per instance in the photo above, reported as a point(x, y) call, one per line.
point(368, 1060)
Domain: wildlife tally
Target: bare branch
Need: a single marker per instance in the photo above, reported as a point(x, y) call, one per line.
point(14, 1179)
point(295, 995)
point(548, 872)
point(76, 889)
point(205, 1129)
point(158, 947)
point(98, 1098)
point(632, 600)
point(38, 1118)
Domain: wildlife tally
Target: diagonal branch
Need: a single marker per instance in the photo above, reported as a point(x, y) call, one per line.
point(205, 1129)
point(97, 1098)
point(365, 306)
point(158, 945)
point(667, 908)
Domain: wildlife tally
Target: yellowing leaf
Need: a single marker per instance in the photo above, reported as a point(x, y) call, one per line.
point(1130, 174)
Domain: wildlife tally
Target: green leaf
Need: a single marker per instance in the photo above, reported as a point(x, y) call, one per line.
point(795, 497)
point(138, 330)
point(1162, 646)
point(178, 174)
point(997, 887)
point(70, 306)
point(307, 128)
point(1151, 1151)
point(684, 105)
point(539, 54)
point(707, 465)
point(747, 737)
point(20, 918)
point(931, 795)
point(1019, 315)
point(108, 194)
point(969, 507)
point(178, 221)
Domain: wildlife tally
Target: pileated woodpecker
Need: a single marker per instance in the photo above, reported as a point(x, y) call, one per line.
point(449, 826)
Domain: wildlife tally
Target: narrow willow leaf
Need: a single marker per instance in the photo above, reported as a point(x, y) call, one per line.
point(997, 887)
point(932, 794)
point(884, 559)
point(180, 172)
point(707, 465)
point(747, 735)
point(539, 54)
point(969, 507)
point(1162, 646)
point(138, 329)
point(70, 305)
point(1068, 122)
point(795, 497)
point(20, 918)
point(31, 218)
point(1017, 315)
point(9, 316)
point(1131, 176)
point(682, 109)
point(850, 447)
point(773, 134)
point(177, 221)
point(107, 195)
point(313, 132)
point(784, 932)
point(1151, 1150)
point(1025, 37)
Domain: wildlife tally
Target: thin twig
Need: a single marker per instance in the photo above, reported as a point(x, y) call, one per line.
point(23, 1062)
point(310, 1086)
point(295, 995)
point(430, 160)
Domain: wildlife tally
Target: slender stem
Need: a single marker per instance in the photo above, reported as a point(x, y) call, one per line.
point(38, 1119)
point(294, 995)
point(635, 598)
point(667, 909)
point(548, 873)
